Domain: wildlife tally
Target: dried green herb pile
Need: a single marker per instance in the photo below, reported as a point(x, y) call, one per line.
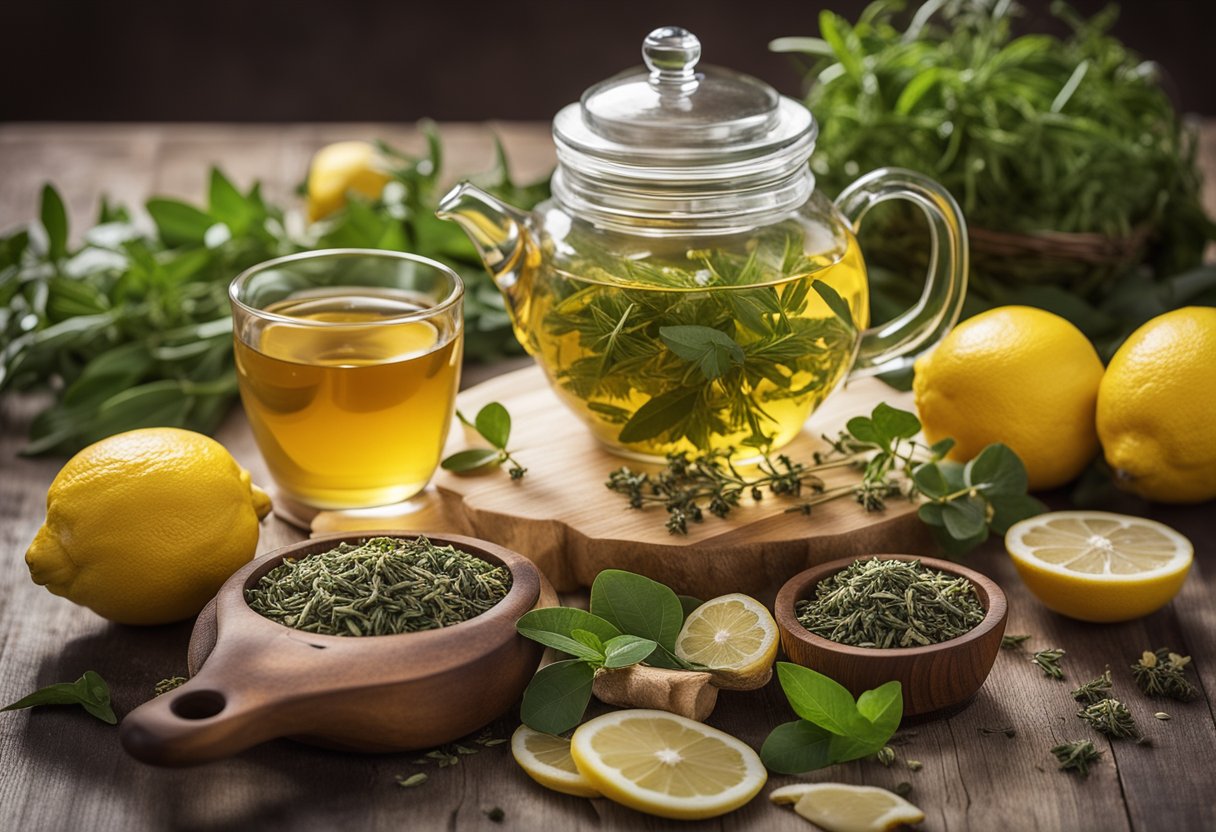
point(890, 603)
point(383, 586)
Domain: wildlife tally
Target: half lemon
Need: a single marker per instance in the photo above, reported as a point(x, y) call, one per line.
point(840, 807)
point(666, 765)
point(547, 760)
point(735, 637)
point(1099, 566)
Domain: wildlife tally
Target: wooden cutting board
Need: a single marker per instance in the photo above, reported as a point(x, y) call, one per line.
point(563, 518)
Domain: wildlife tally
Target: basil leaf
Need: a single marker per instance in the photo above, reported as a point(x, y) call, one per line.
point(660, 414)
point(179, 223)
point(965, 517)
point(55, 220)
point(469, 460)
point(795, 747)
point(711, 349)
point(565, 620)
point(997, 471)
point(819, 699)
point(90, 691)
point(638, 606)
point(557, 696)
point(564, 643)
point(494, 423)
point(883, 707)
point(623, 651)
point(838, 305)
point(894, 423)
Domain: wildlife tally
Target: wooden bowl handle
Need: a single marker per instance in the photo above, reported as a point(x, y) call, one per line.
point(205, 719)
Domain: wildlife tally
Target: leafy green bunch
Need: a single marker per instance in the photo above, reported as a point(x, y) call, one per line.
point(90, 692)
point(1032, 134)
point(493, 424)
point(832, 727)
point(632, 619)
point(131, 328)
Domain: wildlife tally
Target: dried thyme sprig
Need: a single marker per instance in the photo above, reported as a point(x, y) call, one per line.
point(883, 603)
point(1112, 718)
point(166, 685)
point(1077, 756)
point(383, 586)
point(1094, 690)
point(1049, 662)
point(1163, 673)
point(1014, 642)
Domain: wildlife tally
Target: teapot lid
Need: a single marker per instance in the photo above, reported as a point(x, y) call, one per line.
point(672, 126)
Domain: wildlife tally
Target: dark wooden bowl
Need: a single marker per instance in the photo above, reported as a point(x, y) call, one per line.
point(934, 678)
point(254, 679)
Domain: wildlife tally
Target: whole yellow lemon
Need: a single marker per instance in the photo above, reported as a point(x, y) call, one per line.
point(1157, 408)
point(1018, 375)
point(143, 527)
point(338, 169)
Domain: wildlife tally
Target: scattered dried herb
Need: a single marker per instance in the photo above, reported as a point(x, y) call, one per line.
point(496, 814)
point(166, 685)
point(382, 586)
point(1112, 718)
point(885, 755)
point(1094, 690)
point(412, 780)
point(1163, 673)
point(1161, 715)
point(1049, 662)
point(914, 765)
point(890, 603)
point(1076, 756)
point(903, 789)
point(90, 692)
point(1014, 642)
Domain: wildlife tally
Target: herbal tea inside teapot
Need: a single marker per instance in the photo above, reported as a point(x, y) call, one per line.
point(686, 289)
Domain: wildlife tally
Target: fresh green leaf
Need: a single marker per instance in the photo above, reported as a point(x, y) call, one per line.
point(965, 517)
point(930, 480)
point(819, 699)
point(931, 514)
point(227, 205)
point(893, 423)
point(470, 460)
point(637, 606)
point(883, 707)
point(494, 424)
point(662, 657)
point(941, 447)
point(89, 692)
point(1011, 509)
point(565, 620)
point(557, 696)
point(712, 350)
point(589, 640)
point(863, 429)
point(796, 747)
point(997, 471)
point(838, 305)
point(55, 221)
point(564, 643)
point(179, 223)
point(659, 415)
point(688, 604)
point(626, 650)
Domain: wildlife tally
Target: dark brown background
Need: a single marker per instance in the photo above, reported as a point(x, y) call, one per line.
point(397, 60)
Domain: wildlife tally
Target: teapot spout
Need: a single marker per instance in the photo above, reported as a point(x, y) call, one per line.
point(497, 231)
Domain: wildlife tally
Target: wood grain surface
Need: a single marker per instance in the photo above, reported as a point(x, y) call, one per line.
point(60, 769)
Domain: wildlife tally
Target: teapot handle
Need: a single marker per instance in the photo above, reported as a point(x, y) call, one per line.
point(894, 344)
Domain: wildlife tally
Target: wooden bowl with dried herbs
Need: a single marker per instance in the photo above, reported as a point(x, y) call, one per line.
point(932, 625)
point(368, 642)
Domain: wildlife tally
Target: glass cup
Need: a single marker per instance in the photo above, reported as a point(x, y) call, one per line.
point(348, 362)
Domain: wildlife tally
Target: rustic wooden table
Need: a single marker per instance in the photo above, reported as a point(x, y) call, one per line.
point(60, 769)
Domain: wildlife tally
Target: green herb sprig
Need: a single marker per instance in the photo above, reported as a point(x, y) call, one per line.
point(1049, 662)
point(963, 503)
point(832, 726)
point(1077, 756)
point(632, 619)
point(493, 424)
point(1094, 690)
point(1014, 642)
point(1163, 673)
point(90, 692)
point(1112, 718)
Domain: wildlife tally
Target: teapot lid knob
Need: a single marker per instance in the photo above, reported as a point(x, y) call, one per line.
point(671, 54)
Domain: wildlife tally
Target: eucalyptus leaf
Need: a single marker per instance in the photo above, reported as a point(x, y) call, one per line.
point(557, 696)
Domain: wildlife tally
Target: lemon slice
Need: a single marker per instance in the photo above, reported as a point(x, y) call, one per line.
point(666, 765)
point(1098, 566)
point(839, 807)
point(547, 760)
point(735, 637)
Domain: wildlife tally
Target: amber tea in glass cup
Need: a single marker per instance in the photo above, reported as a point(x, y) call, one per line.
point(348, 362)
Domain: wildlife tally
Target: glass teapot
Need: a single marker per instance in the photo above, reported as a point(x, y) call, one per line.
point(686, 288)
